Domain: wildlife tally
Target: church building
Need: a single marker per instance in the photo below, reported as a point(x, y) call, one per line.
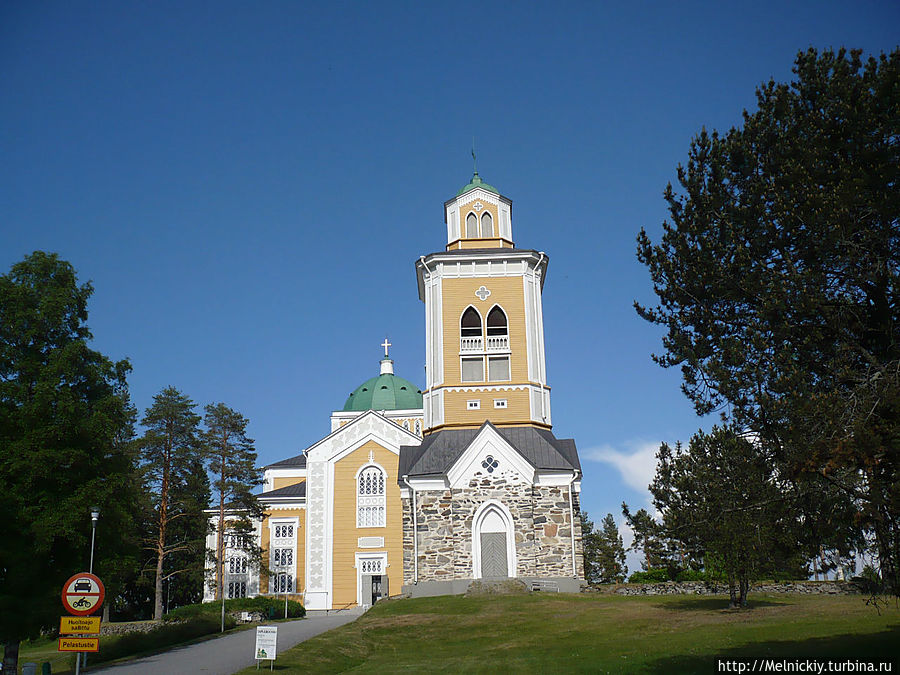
point(424, 491)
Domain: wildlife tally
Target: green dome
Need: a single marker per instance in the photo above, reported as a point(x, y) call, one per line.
point(476, 182)
point(385, 392)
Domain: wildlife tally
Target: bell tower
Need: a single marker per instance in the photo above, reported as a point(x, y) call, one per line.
point(484, 327)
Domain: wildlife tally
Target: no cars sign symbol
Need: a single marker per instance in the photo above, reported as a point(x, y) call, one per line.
point(83, 594)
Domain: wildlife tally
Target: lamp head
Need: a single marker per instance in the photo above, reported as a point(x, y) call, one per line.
point(95, 512)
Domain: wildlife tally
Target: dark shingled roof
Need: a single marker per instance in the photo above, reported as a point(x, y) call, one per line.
point(297, 462)
point(440, 450)
point(296, 490)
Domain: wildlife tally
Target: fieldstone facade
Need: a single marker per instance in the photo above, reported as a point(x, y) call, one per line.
point(541, 517)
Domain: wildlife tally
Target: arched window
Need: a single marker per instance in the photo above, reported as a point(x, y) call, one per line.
point(487, 225)
point(471, 226)
point(496, 322)
point(370, 497)
point(406, 424)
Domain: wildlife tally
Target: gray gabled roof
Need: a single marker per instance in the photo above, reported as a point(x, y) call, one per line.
point(295, 490)
point(440, 451)
point(298, 462)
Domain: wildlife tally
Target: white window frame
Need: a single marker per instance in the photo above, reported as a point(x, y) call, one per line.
point(508, 368)
point(283, 535)
point(471, 358)
point(473, 405)
point(375, 503)
point(501, 403)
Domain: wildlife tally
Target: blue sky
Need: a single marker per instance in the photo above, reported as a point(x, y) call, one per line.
point(248, 185)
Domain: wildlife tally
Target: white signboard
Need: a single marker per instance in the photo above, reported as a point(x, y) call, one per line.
point(266, 640)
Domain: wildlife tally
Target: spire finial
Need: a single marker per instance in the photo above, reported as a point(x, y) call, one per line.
point(474, 162)
point(387, 366)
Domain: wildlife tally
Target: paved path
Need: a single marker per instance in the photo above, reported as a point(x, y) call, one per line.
point(230, 653)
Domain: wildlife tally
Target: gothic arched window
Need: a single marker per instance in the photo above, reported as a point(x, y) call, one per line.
point(472, 226)
point(370, 497)
point(497, 323)
point(487, 225)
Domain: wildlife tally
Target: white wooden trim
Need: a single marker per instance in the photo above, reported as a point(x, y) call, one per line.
point(508, 522)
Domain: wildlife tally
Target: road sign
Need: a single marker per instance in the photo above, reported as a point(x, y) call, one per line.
point(79, 644)
point(83, 594)
point(266, 642)
point(79, 624)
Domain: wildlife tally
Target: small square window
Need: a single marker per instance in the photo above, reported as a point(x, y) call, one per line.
point(500, 403)
point(473, 405)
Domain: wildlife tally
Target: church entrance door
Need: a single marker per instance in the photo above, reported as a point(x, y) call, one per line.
point(492, 542)
point(493, 555)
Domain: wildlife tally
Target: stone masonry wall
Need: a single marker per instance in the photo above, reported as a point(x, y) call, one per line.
point(540, 515)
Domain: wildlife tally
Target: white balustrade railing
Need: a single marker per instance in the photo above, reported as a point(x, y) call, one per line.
point(470, 344)
point(497, 343)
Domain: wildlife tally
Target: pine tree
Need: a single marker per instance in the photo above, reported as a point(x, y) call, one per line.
point(233, 466)
point(611, 559)
point(170, 453)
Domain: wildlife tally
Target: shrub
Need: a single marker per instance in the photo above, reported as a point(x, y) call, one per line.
point(269, 607)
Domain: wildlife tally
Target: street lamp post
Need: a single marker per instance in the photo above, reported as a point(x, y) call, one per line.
point(95, 516)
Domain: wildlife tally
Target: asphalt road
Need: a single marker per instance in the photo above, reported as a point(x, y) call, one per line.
point(230, 653)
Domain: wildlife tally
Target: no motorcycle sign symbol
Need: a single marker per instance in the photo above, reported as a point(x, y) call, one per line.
point(83, 594)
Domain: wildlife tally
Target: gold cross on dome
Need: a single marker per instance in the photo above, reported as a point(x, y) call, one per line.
point(386, 344)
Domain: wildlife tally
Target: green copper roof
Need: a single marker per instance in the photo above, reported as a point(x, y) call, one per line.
point(476, 182)
point(385, 392)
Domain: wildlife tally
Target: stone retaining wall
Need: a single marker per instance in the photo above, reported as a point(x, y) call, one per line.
point(129, 627)
point(715, 588)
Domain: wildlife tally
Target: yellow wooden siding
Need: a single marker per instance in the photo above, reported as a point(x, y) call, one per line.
point(299, 555)
point(346, 534)
point(509, 293)
point(456, 412)
point(284, 481)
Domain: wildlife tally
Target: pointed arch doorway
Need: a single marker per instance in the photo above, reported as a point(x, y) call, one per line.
point(493, 542)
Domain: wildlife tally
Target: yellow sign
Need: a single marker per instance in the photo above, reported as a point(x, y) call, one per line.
point(79, 624)
point(79, 644)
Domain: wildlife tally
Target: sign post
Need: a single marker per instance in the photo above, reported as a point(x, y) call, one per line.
point(266, 644)
point(82, 595)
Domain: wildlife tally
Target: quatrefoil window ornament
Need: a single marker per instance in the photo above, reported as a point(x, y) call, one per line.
point(478, 206)
point(490, 464)
point(483, 293)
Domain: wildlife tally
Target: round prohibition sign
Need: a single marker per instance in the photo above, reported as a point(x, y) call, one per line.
point(83, 594)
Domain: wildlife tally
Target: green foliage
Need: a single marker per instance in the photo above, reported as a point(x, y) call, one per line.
point(65, 430)
point(268, 606)
point(604, 552)
point(779, 284)
point(720, 496)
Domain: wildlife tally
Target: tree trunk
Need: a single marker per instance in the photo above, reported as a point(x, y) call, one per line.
point(161, 540)
point(745, 591)
point(733, 595)
point(11, 656)
point(220, 544)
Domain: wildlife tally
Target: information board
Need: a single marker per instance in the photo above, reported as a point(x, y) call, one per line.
point(266, 642)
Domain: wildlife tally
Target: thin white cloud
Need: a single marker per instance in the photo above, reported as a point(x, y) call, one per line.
point(636, 465)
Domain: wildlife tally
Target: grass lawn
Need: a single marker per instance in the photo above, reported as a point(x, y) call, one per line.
point(549, 633)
